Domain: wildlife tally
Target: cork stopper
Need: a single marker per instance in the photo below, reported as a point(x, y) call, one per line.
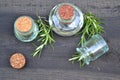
point(17, 60)
point(66, 11)
point(24, 24)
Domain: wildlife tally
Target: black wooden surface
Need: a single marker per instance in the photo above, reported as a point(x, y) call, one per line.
point(54, 64)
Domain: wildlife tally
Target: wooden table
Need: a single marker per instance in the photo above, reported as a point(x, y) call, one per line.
point(54, 64)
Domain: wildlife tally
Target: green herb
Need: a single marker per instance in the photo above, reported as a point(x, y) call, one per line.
point(77, 58)
point(92, 26)
point(80, 58)
point(44, 36)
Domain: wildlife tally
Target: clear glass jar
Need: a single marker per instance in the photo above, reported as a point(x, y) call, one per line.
point(26, 35)
point(69, 25)
point(93, 49)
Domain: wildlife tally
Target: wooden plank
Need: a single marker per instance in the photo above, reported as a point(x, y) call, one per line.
point(44, 74)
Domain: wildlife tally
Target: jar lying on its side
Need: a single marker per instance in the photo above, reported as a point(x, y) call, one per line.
point(25, 29)
point(66, 19)
point(93, 49)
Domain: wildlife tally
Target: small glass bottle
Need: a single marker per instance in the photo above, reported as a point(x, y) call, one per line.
point(93, 49)
point(66, 19)
point(25, 29)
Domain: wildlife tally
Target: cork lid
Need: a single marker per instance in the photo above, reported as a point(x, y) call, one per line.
point(23, 24)
point(66, 11)
point(17, 60)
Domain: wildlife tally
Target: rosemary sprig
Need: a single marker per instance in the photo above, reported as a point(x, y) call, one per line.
point(92, 26)
point(77, 58)
point(82, 59)
point(44, 36)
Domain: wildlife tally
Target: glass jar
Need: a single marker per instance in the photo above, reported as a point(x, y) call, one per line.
point(66, 19)
point(25, 29)
point(93, 49)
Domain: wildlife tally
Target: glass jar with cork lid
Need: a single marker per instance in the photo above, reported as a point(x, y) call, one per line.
point(66, 19)
point(25, 29)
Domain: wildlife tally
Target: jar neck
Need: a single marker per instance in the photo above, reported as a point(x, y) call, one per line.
point(65, 17)
point(25, 33)
point(65, 21)
point(84, 54)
